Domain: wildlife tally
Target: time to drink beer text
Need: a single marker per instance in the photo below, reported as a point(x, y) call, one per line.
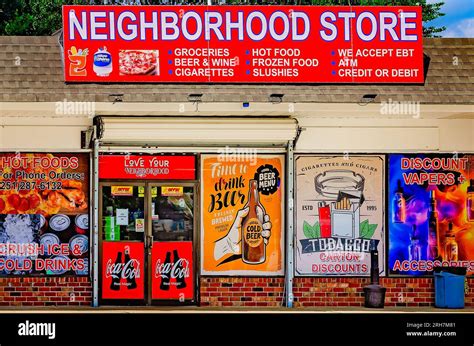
point(228, 185)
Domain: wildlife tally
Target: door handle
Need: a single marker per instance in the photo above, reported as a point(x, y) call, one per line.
point(149, 240)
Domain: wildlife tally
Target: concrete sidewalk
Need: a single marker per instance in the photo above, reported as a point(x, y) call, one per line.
point(198, 310)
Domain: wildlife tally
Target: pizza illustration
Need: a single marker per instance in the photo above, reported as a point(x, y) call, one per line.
point(138, 62)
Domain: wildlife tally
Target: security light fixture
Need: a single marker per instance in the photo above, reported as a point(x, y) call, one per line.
point(117, 97)
point(367, 98)
point(276, 98)
point(194, 98)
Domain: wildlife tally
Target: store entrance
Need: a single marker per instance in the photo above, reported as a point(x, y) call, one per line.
point(147, 243)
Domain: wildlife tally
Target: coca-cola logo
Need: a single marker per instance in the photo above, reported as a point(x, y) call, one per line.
point(173, 270)
point(127, 270)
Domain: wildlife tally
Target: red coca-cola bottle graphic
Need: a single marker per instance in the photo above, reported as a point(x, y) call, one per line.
point(181, 277)
point(166, 274)
point(130, 269)
point(116, 275)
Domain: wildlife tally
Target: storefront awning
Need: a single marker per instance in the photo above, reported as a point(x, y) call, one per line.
point(172, 131)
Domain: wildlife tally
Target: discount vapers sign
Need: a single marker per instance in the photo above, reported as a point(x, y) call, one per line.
point(431, 212)
point(251, 44)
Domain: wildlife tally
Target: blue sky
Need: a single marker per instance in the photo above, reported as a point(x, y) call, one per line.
point(458, 19)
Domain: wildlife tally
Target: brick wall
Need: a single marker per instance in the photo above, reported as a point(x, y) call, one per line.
point(308, 292)
point(348, 291)
point(219, 291)
point(45, 291)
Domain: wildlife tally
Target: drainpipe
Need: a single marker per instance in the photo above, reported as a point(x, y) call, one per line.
point(95, 223)
point(289, 274)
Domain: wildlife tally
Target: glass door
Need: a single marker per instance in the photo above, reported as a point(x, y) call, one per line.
point(123, 236)
point(172, 224)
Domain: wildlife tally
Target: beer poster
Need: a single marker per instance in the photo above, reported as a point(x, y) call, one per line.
point(339, 214)
point(123, 270)
point(242, 214)
point(172, 276)
point(431, 212)
point(44, 214)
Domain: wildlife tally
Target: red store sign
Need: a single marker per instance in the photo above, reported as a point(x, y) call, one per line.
point(243, 44)
point(123, 270)
point(147, 167)
point(172, 276)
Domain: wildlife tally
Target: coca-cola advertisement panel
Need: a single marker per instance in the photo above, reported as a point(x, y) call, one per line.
point(172, 270)
point(123, 270)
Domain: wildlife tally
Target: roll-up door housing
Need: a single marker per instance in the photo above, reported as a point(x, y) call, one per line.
point(149, 131)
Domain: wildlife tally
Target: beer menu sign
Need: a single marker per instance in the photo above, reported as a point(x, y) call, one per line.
point(339, 214)
point(243, 44)
point(242, 215)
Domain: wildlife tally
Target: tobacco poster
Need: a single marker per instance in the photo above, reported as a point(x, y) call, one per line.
point(339, 214)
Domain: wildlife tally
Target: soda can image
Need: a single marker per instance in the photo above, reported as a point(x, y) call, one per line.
point(81, 242)
point(60, 262)
point(59, 222)
point(82, 223)
point(84, 271)
point(42, 221)
point(47, 240)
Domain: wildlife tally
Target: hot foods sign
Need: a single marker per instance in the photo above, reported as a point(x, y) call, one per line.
point(251, 44)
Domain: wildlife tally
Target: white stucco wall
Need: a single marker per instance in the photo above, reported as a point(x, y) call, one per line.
point(326, 127)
